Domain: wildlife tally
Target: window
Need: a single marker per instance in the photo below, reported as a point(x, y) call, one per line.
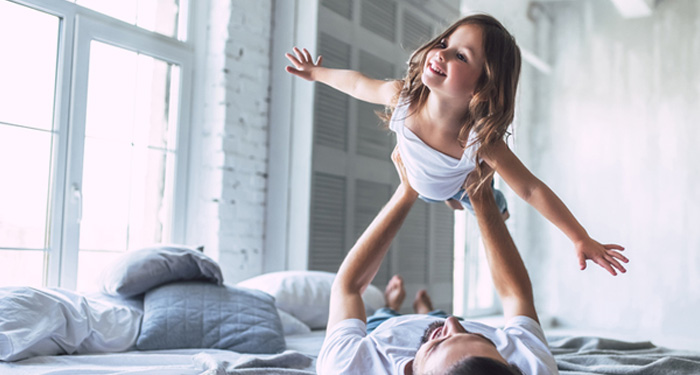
point(91, 150)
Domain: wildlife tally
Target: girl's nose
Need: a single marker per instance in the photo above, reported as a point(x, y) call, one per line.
point(440, 55)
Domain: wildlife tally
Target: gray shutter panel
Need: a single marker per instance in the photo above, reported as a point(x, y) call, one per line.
point(327, 237)
point(413, 246)
point(415, 33)
point(379, 17)
point(373, 138)
point(341, 7)
point(370, 197)
point(332, 107)
point(443, 253)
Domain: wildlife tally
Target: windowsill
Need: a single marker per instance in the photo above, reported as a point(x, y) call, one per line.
point(498, 320)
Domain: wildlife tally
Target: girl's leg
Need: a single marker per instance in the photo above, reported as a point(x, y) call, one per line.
point(501, 202)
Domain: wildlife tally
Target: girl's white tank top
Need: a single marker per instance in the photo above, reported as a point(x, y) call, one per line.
point(431, 173)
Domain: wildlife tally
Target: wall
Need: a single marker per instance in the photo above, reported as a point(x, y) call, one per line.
point(618, 141)
point(228, 172)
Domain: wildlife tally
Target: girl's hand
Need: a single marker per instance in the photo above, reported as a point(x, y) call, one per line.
point(605, 256)
point(304, 65)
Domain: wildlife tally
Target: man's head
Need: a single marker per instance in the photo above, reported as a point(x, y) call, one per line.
point(448, 348)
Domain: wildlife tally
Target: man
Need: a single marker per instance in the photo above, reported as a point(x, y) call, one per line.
point(419, 344)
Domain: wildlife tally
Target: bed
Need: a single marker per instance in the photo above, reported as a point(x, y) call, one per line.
point(166, 310)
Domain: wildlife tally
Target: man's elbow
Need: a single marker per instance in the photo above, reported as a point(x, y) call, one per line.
point(343, 287)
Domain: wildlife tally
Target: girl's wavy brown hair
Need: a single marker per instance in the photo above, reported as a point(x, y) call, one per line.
point(492, 106)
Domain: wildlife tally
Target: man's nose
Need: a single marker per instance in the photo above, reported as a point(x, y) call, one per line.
point(453, 326)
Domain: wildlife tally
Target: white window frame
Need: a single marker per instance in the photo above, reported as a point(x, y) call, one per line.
point(78, 27)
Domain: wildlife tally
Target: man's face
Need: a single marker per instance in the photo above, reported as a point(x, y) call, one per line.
point(445, 343)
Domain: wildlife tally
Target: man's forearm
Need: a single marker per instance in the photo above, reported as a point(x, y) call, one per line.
point(507, 268)
point(363, 261)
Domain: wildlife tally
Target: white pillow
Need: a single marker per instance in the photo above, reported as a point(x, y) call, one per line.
point(306, 294)
point(37, 322)
point(292, 325)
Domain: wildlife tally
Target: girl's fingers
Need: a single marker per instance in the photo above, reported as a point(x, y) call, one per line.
point(299, 54)
point(308, 55)
point(293, 59)
point(615, 263)
point(318, 61)
point(612, 246)
point(603, 263)
point(618, 256)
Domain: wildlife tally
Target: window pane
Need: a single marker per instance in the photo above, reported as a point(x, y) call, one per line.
point(481, 291)
point(129, 158)
point(129, 97)
point(151, 210)
point(161, 16)
point(27, 66)
point(21, 268)
point(25, 159)
point(106, 181)
point(91, 265)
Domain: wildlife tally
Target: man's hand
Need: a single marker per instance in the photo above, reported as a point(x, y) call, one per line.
point(401, 170)
point(304, 65)
point(602, 255)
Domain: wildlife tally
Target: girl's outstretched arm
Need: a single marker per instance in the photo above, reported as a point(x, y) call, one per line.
point(350, 82)
point(541, 197)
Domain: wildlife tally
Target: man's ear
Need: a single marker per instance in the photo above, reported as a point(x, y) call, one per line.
point(408, 369)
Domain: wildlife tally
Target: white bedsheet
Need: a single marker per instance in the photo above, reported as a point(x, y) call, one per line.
point(43, 321)
point(166, 362)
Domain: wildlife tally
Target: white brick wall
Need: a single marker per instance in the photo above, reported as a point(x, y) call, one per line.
point(231, 136)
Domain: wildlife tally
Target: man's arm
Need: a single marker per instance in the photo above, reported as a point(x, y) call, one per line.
point(363, 261)
point(509, 274)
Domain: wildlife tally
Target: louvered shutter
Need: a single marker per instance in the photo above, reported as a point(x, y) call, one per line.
point(416, 32)
point(331, 107)
point(370, 197)
point(413, 245)
point(379, 16)
point(341, 7)
point(442, 256)
point(373, 138)
point(327, 237)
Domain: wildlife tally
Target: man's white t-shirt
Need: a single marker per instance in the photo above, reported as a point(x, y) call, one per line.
point(348, 349)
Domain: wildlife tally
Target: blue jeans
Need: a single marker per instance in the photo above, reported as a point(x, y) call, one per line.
point(463, 198)
point(382, 315)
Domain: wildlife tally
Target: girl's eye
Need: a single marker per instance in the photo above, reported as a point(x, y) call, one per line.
point(442, 44)
point(462, 57)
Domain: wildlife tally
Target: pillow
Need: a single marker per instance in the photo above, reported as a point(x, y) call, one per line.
point(292, 325)
point(306, 294)
point(203, 315)
point(36, 322)
point(140, 270)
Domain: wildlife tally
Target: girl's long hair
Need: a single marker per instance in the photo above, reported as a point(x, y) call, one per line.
point(492, 107)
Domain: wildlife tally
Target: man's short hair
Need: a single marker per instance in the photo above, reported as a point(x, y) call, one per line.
point(482, 365)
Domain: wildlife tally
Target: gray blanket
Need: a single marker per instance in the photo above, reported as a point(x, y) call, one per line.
point(287, 363)
point(595, 355)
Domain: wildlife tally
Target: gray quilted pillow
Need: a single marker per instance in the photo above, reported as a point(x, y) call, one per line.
point(203, 315)
point(137, 271)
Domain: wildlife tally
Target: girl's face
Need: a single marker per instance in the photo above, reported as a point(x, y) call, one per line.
point(453, 67)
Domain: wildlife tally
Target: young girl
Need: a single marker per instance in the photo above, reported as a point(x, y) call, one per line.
point(451, 113)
